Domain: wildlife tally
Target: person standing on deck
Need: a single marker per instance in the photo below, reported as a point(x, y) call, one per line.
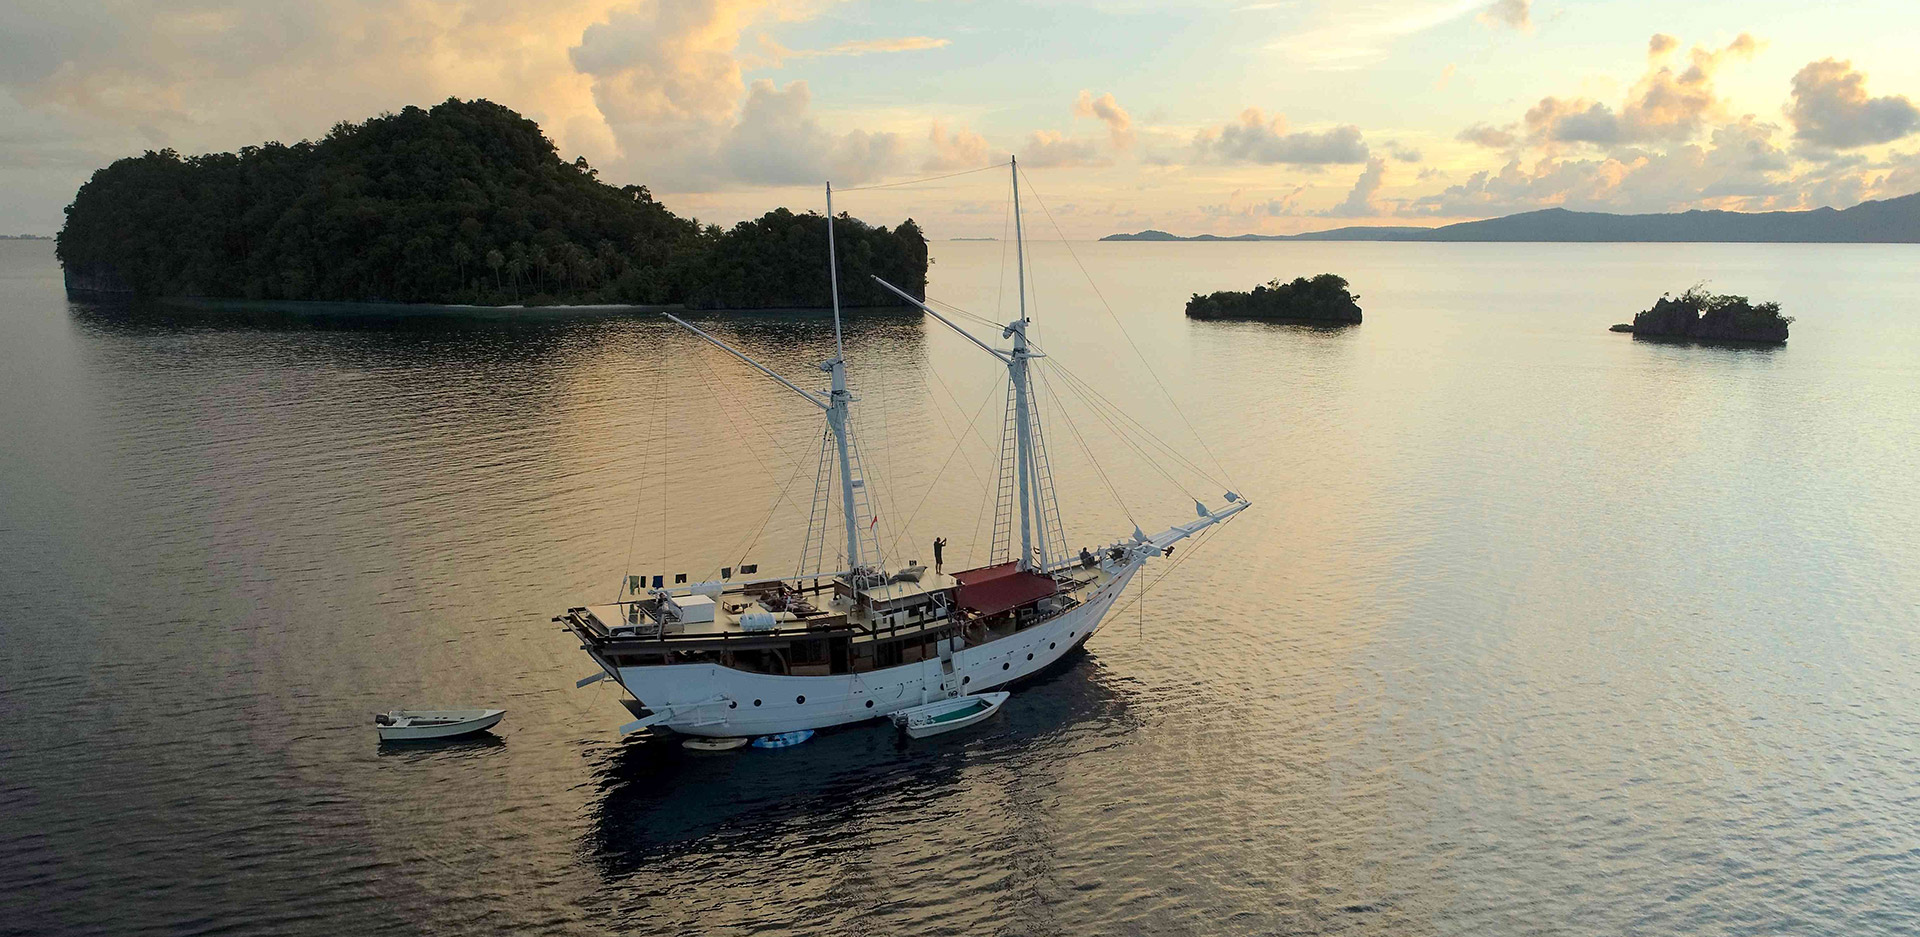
point(939, 546)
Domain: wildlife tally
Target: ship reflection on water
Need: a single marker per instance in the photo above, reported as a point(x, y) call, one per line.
point(658, 799)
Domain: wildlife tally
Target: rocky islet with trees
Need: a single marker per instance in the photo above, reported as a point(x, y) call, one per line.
point(1701, 316)
point(1323, 299)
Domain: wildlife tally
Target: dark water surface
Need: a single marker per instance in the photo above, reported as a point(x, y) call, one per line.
point(1534, 629)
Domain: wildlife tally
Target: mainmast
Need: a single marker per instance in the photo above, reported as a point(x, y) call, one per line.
point(1037, 509)
point(838, 400)
point(1017, 372)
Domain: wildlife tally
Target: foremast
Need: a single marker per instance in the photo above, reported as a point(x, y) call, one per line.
point(1017, 373)
point(837, 403)
point(1032, 486)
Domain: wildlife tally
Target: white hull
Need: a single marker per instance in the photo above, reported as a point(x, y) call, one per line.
point(711, 700)
point(456, 723)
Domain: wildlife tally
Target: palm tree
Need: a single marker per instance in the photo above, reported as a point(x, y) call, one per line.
point(494, 260)
point(461, 254)
point(514, 268)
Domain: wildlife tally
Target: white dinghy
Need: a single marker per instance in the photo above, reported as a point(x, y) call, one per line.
point(409, 724)
point(948, 714)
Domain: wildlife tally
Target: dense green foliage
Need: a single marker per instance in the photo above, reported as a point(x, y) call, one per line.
point(732, 272)
point(467, 202)
point(1321, 299)
point(1703, 316)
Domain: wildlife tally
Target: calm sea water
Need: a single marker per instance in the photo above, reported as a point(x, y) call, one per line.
point(1533, 629)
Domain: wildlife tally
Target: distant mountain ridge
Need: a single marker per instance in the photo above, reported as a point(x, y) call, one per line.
point(1886, 221)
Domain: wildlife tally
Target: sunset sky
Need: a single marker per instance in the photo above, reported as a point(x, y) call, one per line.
point(1227, 117)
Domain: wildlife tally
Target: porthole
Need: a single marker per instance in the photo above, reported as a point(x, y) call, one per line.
point(965, 680)
point(733, 704)
point(799, 700)
point(1051, 645)
point(869, 704)
point(1005, 666)
point(756, 702)
point(1029, 656)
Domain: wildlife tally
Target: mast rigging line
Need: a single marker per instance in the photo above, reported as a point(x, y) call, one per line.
point(1205, 537)
point(639, 498)
point(1120, 433)
point(1080, 387)
point(1124, 334)
point(1089, 394)
point(754, 541)
point(906, 182)
point(1047, 386)
point(722, 395)
point(961, 410)
point(976, 317)
point(957, 442)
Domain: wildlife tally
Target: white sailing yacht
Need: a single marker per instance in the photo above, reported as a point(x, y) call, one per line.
point(749, 655)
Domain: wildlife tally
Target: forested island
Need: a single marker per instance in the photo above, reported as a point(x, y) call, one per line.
point(1699, 316)
point(466, 202)
point(1323, 299)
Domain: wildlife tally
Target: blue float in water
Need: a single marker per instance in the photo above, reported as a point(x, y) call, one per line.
point(783, 740)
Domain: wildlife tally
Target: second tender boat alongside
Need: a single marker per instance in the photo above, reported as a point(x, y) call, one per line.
point(949, 714)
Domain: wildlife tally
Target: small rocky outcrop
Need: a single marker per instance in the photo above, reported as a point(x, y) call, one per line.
point(1323, 299)
point(1699, 316)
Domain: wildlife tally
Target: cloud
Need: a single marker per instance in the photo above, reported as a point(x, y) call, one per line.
point(1343, 36)
point(1107, 111)
point(1487, 135)
point(1048, 148)
point(210, 74)
point(775, 142)
point(1359, 202)
point(1514, 14)
point(1902, 177)
point(667, 79)
point(1665, 104)
point(777, 53)
point(1237, 206)
point(650, 90)
point(1829, 107)
point(1740, 166)
point(1574, 121)
point(900, 44)
point(964, 149)
point(1405, 154)
point(1446, 75)
point(1255, 139)
point(662, 70)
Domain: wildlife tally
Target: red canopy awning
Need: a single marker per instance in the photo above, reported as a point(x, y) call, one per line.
point(991, 590)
